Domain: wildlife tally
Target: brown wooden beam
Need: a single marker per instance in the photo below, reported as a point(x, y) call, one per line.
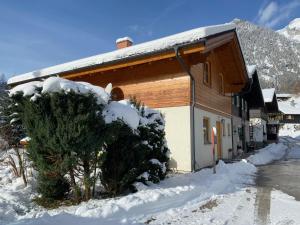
point(184, 51)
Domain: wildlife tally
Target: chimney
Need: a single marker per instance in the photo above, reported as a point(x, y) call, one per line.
point(124, 42)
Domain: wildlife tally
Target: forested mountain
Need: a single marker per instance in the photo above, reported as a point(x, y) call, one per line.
point(276, 56)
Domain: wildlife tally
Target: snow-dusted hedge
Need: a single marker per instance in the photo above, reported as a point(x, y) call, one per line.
point(78, 135)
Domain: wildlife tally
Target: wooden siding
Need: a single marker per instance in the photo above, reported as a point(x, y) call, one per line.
point(209, 98)
point(158, 85)
point(161, 82)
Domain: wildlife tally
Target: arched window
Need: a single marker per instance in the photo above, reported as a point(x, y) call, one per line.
point(117, 94)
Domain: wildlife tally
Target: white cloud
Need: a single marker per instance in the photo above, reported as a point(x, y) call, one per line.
point(266, 13)
point(272, 14)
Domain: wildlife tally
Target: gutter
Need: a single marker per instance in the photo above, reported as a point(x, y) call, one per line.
point(192, 112)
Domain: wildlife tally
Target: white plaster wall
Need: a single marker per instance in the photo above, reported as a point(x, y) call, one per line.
point(259, 127)
point(178, 136)
point(203, 154)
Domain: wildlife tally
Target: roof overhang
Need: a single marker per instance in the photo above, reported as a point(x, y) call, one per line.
point(200, 39)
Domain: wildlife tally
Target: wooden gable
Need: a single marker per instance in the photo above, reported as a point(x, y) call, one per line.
point(158, 80)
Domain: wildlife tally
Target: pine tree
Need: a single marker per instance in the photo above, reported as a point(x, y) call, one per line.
point(67, 132)
point(11, 130)
point(123, 159)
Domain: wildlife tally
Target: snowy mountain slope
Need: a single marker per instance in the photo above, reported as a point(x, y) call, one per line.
point(277, 57)
point(292, 30)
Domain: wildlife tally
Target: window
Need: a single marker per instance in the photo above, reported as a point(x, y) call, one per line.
point(228, 129)
point(117, 94)
point(237, 101)
point(207, 74)
point(242, 104)
point(223, 127)
point(206, 130)
point(221, 87)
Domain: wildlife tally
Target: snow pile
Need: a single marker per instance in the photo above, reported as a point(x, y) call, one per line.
point(121, 110)
point(268, 94)
point(56, 84)
point(294, 153)
point(268, 154)
point(133, 51)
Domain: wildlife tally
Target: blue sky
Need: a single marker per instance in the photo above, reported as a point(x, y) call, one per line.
point(36, 34)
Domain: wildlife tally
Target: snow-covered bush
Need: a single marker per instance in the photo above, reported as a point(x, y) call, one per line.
point(77, 134)
point(137, 152)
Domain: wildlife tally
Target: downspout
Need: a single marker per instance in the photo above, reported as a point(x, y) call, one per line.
point(192, 112)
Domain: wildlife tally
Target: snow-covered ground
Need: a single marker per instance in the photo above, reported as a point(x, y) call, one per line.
point(227, 197)
point(170, 195)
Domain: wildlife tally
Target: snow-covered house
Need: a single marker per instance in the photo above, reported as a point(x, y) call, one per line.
point(273, 113)
point(283, 96)
point(289, 106)
point(257, 111)
point(189, 76)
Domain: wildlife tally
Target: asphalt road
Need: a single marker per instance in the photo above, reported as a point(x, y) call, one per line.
point(283, 175)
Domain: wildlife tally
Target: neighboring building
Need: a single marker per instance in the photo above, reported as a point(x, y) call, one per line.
point(189, 77)
point(257, 112)
point(273, 113)
point(283, 97)
point(240, 123)
point(290, 108)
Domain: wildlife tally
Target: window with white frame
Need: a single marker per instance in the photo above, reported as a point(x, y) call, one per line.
point(206, 130)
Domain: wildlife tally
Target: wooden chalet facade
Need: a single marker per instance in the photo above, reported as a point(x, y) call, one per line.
point(289, 108)
point(274, 115)
point(191, 83)
point(257, 113)
point(240, 123)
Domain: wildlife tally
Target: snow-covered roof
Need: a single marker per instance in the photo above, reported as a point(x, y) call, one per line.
point(268, 94)
point(291, 106)
point(283, 95)
point(287, 108)
point(165, 43)
point(251, 70)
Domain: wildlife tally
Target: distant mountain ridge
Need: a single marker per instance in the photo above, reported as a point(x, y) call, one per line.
point(277, 57)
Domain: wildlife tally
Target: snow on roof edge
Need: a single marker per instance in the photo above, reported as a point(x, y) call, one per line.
point(251, 70)
point(124, 39)
point(135, 50)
